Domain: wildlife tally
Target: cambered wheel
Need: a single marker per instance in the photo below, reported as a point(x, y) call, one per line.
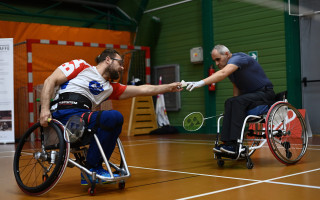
point(286, 133)
point(40, 162)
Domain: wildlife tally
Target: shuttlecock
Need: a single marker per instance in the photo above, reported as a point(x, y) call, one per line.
point(183, 83)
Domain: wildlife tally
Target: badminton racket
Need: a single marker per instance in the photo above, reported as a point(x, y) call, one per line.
point(194, 121)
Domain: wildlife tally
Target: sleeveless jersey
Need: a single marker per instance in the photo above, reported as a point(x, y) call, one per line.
point(84, 79)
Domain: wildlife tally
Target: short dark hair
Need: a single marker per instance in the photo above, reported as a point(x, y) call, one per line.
point(107, 52)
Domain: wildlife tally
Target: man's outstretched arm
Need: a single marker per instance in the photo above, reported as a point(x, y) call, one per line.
point(150, 90)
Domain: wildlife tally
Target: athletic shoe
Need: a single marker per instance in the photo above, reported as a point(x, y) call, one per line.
point(217, 148)
point(100, 171)
point(231, 149)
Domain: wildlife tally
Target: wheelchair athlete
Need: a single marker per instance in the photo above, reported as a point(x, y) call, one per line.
point(251, 88)
point(81, 88)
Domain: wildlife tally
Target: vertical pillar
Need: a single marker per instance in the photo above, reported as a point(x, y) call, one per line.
point(293, 60)
point(208, 43)
point(30, 83)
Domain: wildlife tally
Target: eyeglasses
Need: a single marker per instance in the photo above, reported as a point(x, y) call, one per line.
point(121, 61)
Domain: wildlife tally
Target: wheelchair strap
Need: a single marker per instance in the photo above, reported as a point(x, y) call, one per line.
point(86, 117)
point(71, 100)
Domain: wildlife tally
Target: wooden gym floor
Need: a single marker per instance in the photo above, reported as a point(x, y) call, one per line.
point(181, 166)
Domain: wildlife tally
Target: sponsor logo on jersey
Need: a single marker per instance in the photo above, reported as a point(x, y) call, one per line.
point(95, 87)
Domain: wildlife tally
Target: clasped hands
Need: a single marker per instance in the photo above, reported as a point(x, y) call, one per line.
point(191, 85)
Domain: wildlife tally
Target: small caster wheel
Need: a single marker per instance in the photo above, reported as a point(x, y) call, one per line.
point(220, 163)
point(92, 191)
point(249, 165)
point(122, 185)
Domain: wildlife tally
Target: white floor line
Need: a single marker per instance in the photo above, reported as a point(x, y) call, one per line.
point(218, 191)
point(246, 185)
point(197, 174)
point(294, 184)
point(6, 156)
point(131, 145)
point(7, 151)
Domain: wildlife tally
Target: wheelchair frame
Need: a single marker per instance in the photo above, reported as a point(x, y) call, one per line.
point(277, 132)
point(45, 160)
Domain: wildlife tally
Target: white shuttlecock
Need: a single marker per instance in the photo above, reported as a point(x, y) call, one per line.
point(183, 83)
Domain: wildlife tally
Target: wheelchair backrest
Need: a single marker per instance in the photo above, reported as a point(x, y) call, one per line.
point(281, 96)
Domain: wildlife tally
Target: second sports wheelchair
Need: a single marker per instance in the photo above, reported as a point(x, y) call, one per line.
point(39, 162)
point(282, 126)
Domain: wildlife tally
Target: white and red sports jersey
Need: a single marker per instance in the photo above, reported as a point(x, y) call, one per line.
point(84, 79)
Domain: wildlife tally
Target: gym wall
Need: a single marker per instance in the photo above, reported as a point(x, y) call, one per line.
point(240, 25)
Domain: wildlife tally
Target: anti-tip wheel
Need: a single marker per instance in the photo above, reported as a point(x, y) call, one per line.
point(91, 191)
point(122, 185)
point(249, 165)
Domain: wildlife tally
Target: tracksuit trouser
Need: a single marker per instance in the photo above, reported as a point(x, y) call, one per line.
point(111, 122)
point(236, 111)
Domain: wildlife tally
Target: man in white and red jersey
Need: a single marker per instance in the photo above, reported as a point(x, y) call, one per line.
point(81, 88)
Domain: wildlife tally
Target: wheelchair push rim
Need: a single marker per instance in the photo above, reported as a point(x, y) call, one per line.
point(286, 133)
point(39, 163)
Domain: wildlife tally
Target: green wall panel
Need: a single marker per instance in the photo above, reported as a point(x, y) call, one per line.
point(239, 24)
point(244, 27)
point(181, 30)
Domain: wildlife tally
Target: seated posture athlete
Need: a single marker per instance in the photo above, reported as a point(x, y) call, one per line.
point(251, 87)
point(82, 87)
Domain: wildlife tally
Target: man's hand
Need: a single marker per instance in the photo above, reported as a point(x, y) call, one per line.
point(44, 116)
point(192, 85)
point(175, 87)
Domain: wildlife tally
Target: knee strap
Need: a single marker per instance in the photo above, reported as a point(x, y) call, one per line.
point(86, 118)
point(99, 125)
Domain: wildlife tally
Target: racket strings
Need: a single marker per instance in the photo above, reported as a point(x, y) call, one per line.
point(193, 121)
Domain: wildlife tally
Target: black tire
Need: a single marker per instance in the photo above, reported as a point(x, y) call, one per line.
point(286, 133)
point(32, 159)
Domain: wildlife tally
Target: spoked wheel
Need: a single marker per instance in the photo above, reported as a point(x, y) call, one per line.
point(286, 133)
point(39, 163)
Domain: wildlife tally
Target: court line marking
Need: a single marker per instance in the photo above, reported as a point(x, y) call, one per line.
point(181, 142)
point(265, 181)
point(236, 187)
point(192, 173)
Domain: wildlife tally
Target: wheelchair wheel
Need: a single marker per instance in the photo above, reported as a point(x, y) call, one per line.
point(286, 133)
point(40, 163)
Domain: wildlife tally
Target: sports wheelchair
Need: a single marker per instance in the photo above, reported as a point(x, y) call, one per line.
point(39, 162)
point(280, 125)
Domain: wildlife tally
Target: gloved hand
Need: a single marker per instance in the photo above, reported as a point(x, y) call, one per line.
point(192, 85)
